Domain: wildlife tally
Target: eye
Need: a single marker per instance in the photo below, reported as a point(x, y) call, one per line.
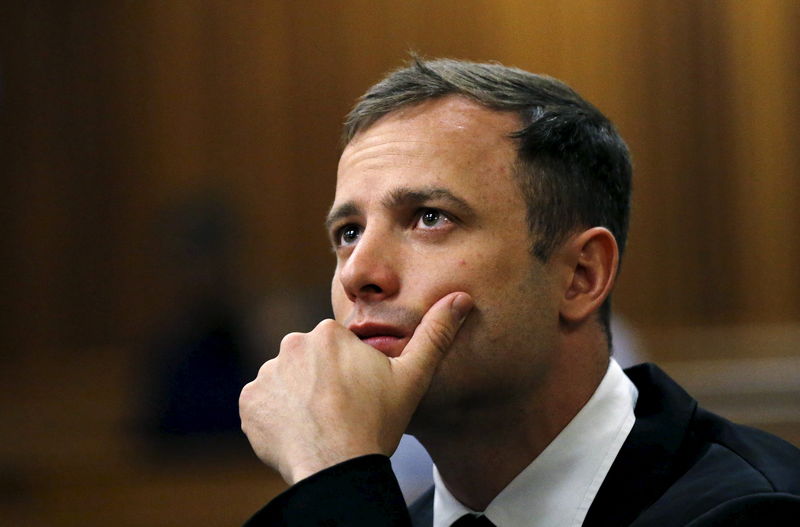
point(348, 234)
point(432, 218)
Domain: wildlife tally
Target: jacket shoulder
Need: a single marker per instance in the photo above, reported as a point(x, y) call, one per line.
point(754, 510)
point(767, 457)
point(737, 472)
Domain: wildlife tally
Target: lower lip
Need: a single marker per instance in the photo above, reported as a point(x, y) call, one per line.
point(389, 346)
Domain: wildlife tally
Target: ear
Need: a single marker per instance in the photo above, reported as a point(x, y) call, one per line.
point(590, 260)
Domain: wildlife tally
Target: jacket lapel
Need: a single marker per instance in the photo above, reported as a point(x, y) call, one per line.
point(657, 451)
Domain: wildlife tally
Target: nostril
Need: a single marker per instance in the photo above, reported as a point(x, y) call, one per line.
point(371, 288)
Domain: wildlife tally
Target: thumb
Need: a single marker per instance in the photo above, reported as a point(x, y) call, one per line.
point(434, 335)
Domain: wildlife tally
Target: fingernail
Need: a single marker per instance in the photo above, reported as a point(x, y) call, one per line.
point(461, 306)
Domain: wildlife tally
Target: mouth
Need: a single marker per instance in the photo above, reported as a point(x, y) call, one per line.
point(389, 340)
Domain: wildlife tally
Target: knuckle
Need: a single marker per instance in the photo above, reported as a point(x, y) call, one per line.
point(439, 334)
point(326, 326)
point(265, 368)
point(245, 396)
point(327, 332)
point(291, 341)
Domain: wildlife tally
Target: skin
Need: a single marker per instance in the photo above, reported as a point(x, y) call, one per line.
point(427, 216)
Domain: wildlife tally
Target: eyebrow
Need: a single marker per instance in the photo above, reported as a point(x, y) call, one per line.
point(403, 196)
point(344, 210)
point(406, 196)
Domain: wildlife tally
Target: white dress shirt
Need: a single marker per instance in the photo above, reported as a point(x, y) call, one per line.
point(558, 487)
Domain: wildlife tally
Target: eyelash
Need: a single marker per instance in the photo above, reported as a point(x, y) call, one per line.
point(441, 215)
point(338, 233)
point(419, 214)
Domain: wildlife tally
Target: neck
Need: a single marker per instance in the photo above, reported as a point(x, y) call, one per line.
point(481, 451)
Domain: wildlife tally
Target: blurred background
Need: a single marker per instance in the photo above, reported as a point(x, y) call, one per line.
point(167, 167)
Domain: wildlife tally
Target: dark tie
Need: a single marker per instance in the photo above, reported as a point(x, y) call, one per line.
point(472, 520)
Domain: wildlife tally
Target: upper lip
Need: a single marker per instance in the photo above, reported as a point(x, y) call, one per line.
point(376, 329)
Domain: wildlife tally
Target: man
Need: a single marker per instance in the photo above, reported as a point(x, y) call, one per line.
point(479, 218)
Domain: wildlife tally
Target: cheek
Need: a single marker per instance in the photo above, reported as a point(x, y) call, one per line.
point(339, 301)
point(449, 275)
point(493, 280)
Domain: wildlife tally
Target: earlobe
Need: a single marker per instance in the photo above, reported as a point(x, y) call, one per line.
point(592, 258)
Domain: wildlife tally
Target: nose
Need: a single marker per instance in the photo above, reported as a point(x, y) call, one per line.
point(370, 272)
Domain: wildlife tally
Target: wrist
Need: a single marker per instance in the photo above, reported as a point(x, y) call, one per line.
point(309, 466)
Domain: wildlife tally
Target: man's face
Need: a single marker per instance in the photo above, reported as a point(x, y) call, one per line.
point(426, 204)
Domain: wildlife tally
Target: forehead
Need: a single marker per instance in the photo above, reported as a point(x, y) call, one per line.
point(429, 142)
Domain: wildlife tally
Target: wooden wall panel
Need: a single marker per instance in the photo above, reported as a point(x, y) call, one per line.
point(764, 43)
point(66, 182)
point(672, 275)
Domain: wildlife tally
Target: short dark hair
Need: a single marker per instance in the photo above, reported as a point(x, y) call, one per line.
point(573, 168)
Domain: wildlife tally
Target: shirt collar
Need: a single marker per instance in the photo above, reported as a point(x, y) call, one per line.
point(558, 487)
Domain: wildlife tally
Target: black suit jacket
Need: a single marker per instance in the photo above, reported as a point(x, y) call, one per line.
point(680, 466)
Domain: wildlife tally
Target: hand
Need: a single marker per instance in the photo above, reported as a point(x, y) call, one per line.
point(328, 397)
